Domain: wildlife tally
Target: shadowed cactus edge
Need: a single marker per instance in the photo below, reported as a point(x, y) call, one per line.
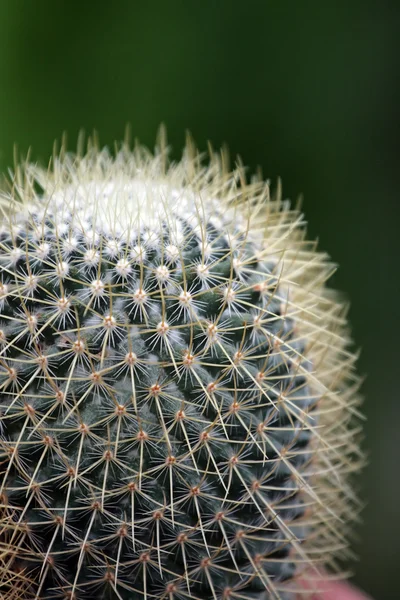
point(177, 394)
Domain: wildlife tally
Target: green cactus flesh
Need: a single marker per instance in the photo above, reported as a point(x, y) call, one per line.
point(176, 391)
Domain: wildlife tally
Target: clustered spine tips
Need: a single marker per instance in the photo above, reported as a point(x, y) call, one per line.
point(177, 394)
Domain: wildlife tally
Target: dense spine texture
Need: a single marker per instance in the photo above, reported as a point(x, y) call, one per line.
point(176, 390)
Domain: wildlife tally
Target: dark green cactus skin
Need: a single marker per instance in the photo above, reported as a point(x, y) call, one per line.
point(156, 425)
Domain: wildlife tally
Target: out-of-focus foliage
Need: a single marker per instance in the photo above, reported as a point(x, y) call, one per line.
point(306, 90)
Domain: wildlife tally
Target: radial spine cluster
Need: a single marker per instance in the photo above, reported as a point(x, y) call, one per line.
point(178, 406)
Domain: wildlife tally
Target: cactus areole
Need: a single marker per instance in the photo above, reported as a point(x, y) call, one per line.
point(177, 394)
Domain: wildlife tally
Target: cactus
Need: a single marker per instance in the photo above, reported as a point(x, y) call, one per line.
point(177, 392)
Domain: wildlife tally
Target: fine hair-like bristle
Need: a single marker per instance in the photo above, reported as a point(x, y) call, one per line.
point(178, 402)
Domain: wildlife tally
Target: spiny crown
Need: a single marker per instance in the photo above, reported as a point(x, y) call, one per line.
point(176, 391)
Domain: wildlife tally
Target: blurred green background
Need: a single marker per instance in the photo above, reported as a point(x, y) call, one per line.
point(308, 90)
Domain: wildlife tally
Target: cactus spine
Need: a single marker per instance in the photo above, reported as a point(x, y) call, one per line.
point(176, 390)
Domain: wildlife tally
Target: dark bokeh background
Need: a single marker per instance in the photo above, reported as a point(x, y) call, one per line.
point(308, 90)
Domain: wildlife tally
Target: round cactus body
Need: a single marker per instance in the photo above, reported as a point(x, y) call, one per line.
point(176, 389)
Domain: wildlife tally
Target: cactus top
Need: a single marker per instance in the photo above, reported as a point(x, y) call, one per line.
point(176, 390)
